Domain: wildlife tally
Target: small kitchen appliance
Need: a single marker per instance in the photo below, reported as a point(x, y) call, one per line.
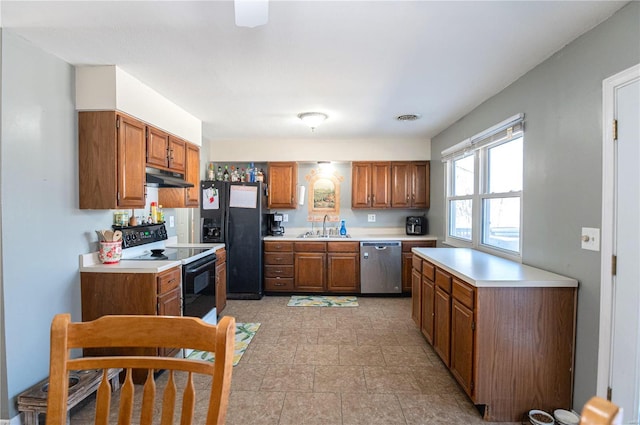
point(417, 225)
point(275, 225)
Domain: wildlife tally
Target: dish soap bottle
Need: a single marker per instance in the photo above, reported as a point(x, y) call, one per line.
point(343, 228)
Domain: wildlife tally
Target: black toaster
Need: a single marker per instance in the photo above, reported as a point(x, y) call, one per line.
point(417, 225)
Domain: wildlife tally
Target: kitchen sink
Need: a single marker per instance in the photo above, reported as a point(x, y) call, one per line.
point(309, 235)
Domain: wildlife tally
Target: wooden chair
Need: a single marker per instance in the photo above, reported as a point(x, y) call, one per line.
point(598, 411)
point(142, 331)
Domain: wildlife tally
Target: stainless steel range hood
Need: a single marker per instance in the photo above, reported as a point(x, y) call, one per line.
point(161, 178)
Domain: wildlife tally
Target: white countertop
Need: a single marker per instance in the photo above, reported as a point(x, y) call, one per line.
point(90, 262)
point(485, 270)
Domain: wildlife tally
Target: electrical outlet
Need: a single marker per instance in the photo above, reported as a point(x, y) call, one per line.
point(590, 239)
point(285, 218)
point(171, 221)
point(371, 218)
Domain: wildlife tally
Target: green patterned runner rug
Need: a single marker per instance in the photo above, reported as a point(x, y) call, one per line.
point(322, 301)
point(244, 335)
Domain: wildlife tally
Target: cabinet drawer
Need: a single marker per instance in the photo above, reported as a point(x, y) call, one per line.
point(416, 262)
point(443, 280)
point(278, 271)
point(278, 246)
point(275, 258)
point(278, 284)
point(407, 246)
point(463, 293)
point(310, 246)
point(343, 246)
point(221, 256)
point(168, 280)
point(428, 270)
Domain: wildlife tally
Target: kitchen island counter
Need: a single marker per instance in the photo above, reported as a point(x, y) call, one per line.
point(485, 270)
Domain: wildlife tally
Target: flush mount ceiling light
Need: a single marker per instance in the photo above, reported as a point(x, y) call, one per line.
point(313, 119)
point(408, 117)
point(251, 13)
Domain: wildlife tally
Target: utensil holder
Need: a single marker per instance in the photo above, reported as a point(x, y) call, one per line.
point(110, 252)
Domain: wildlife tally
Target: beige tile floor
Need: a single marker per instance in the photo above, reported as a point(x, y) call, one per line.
point(344, 366)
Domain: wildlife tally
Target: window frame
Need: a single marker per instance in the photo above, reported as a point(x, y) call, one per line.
point(481, 193)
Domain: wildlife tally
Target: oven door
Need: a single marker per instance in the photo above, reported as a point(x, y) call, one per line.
point(198, 287)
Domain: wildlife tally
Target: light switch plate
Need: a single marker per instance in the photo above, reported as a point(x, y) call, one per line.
point(590, 238)
point(371, 218)
point(171, 221)
point(285, 218)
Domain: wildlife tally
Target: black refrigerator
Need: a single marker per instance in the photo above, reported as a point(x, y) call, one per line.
point(235, 214)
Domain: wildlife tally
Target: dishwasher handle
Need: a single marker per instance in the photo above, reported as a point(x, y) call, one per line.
point(381, 245)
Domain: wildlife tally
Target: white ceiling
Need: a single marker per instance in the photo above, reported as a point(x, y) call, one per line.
point(361, 62)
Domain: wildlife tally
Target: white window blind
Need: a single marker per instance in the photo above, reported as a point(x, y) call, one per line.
point(507, 129)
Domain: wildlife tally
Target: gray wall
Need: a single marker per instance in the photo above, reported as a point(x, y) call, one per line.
point(43, 231)
point(562, 102)
point(4, 405)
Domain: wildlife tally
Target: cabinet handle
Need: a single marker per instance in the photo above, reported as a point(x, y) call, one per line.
point(171, 280)
point(407, 198)
point(279, 284)
point(278, 258)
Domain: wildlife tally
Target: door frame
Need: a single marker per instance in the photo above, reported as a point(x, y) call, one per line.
point(609, 87)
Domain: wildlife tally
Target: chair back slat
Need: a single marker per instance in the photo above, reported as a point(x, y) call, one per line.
point(107, 336)
point(169, 401)
point(126, 400)
point(188, 402)
point(148, 398)
point(103, 400)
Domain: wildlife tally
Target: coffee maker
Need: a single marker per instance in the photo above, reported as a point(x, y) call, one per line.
point(275, 225)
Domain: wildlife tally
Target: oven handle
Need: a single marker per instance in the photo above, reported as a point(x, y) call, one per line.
point(198, 267)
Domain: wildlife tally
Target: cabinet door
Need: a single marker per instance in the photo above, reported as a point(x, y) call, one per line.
point(157, 148)
point(309, 271)
point(415, 296)
point(420, 185)
point(361, 185)
point(401, 173)
point(192, 175)
point(380, 185)
point(177, 154)
point(221, 286)
point(131, 163)
point(442, 325)
point(428, 299)
point(169, 304)
point(407, 284)
point(283, 179)
point(462, 331)
point(343, 272)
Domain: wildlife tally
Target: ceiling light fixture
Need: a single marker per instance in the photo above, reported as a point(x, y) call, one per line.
point(251, 13)
point(313, 119)
point(408, 117)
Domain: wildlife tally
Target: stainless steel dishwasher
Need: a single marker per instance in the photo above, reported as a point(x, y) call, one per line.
point(381, 267)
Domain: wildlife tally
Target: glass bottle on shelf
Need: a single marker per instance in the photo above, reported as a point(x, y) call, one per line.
point(210, 172)
point(219, 175)
point(225, 175)
point(260, 176)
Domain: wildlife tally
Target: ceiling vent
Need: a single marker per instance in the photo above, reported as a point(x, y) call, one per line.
point(408, 117)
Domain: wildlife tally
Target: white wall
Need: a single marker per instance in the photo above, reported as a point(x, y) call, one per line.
point(110, 88)
point(317, 150)
point(43, 231)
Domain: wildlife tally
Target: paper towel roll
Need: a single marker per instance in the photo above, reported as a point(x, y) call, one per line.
point(301, 195)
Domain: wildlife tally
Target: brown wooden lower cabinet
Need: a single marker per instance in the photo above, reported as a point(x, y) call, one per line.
point(221, 280)
point(343, 267)
point(278, 266)
point(509, 348)
point(309, 271)
point(407, 257)
point(131, 293)
point(416, 299)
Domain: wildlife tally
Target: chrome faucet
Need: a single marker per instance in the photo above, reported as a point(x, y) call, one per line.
point(324, 225)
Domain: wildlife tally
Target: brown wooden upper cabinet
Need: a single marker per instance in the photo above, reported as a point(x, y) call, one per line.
point(165, 151)
point(370, 185)
point(410, 184)
point(283, 179)
point(188, 197)
point(111, 157)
